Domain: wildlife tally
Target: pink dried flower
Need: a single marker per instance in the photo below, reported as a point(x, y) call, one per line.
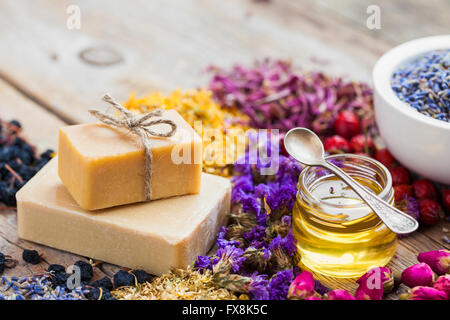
point(443, 284)
point(418, 275)
point(438, 260)
point(313, 298)
point(274, 95)
point(339, 294)
point(373, 283)
point(302, 287)
point(425, 293)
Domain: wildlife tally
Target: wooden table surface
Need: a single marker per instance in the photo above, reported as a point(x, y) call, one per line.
point(50, 75)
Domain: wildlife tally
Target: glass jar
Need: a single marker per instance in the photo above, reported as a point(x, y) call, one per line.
point(337, 233)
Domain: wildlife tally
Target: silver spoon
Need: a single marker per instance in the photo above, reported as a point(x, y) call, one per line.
point(305, 147)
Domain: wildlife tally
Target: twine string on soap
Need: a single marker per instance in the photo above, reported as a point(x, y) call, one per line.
point(139, 125)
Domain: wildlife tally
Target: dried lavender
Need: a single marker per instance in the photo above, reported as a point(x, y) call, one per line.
point(37, 288)
point(424, 83)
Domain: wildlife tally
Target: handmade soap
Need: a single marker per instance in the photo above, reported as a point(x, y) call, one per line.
point(154, 236)
point(104, 167)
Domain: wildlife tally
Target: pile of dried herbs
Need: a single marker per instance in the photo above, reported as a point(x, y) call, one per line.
point(275, 95)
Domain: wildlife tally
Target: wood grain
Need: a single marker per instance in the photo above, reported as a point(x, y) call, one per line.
point(164, 45)
point(400, 20)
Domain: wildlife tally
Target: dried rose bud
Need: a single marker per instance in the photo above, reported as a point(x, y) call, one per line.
point(443, 284)
point(438, 260)
point(302, 287)
point(313, 298)
point(373, 284)
point(339, 294)
point(418, 275)
point(424, 293)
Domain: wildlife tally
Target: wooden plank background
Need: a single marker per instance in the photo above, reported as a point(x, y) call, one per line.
point(164, 45)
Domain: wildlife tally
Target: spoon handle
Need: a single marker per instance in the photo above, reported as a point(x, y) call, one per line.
point(397, 221)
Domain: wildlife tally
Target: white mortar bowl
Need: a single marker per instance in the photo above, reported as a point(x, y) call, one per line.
point(419, 142)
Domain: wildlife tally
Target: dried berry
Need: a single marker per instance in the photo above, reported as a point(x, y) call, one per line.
point(122, 279)
point(104, 282)
point(361, 144)
point(142, 276)
point(400, 175)
point(31, 256)
point(430, 212)
point(2, 262)
point(18, 161)
point(424, 189)
point(336, 144)
point(346, 124)
point(59, 279)
point(401, 191)
point(85, 269)
point(99, 294)
point(56, 268)
point(446, 199)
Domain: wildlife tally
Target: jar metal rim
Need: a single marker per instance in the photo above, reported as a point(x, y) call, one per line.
point(384, 192)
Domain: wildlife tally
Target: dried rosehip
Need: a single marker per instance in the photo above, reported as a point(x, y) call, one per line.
point(336, 144)
point(446, 199)
point(424, 189)
point(400, 175)
point(385, 157)
point(401, 191)
point(346, 124)
point(361, 143)
point(430, 212)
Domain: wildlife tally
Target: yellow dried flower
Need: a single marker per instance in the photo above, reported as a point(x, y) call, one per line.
point(222, 129)
point(178, 284)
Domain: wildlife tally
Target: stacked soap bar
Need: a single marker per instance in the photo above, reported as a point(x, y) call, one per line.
point(103, 167)
point(89, 199)
point(154, 236)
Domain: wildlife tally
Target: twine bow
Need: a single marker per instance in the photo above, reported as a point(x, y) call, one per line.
point(139, 125)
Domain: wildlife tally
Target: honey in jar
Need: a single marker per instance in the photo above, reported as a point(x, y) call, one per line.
point(337, 233)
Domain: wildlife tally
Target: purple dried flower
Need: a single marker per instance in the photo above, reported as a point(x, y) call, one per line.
point(288, 244)
point(222, 242)
point(279, 285)
point(233, 255)
point(204, 262)
point(258, 287)
point(255, 236)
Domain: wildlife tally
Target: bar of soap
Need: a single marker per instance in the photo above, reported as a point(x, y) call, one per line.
point(104, 167)
point(154, 236)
